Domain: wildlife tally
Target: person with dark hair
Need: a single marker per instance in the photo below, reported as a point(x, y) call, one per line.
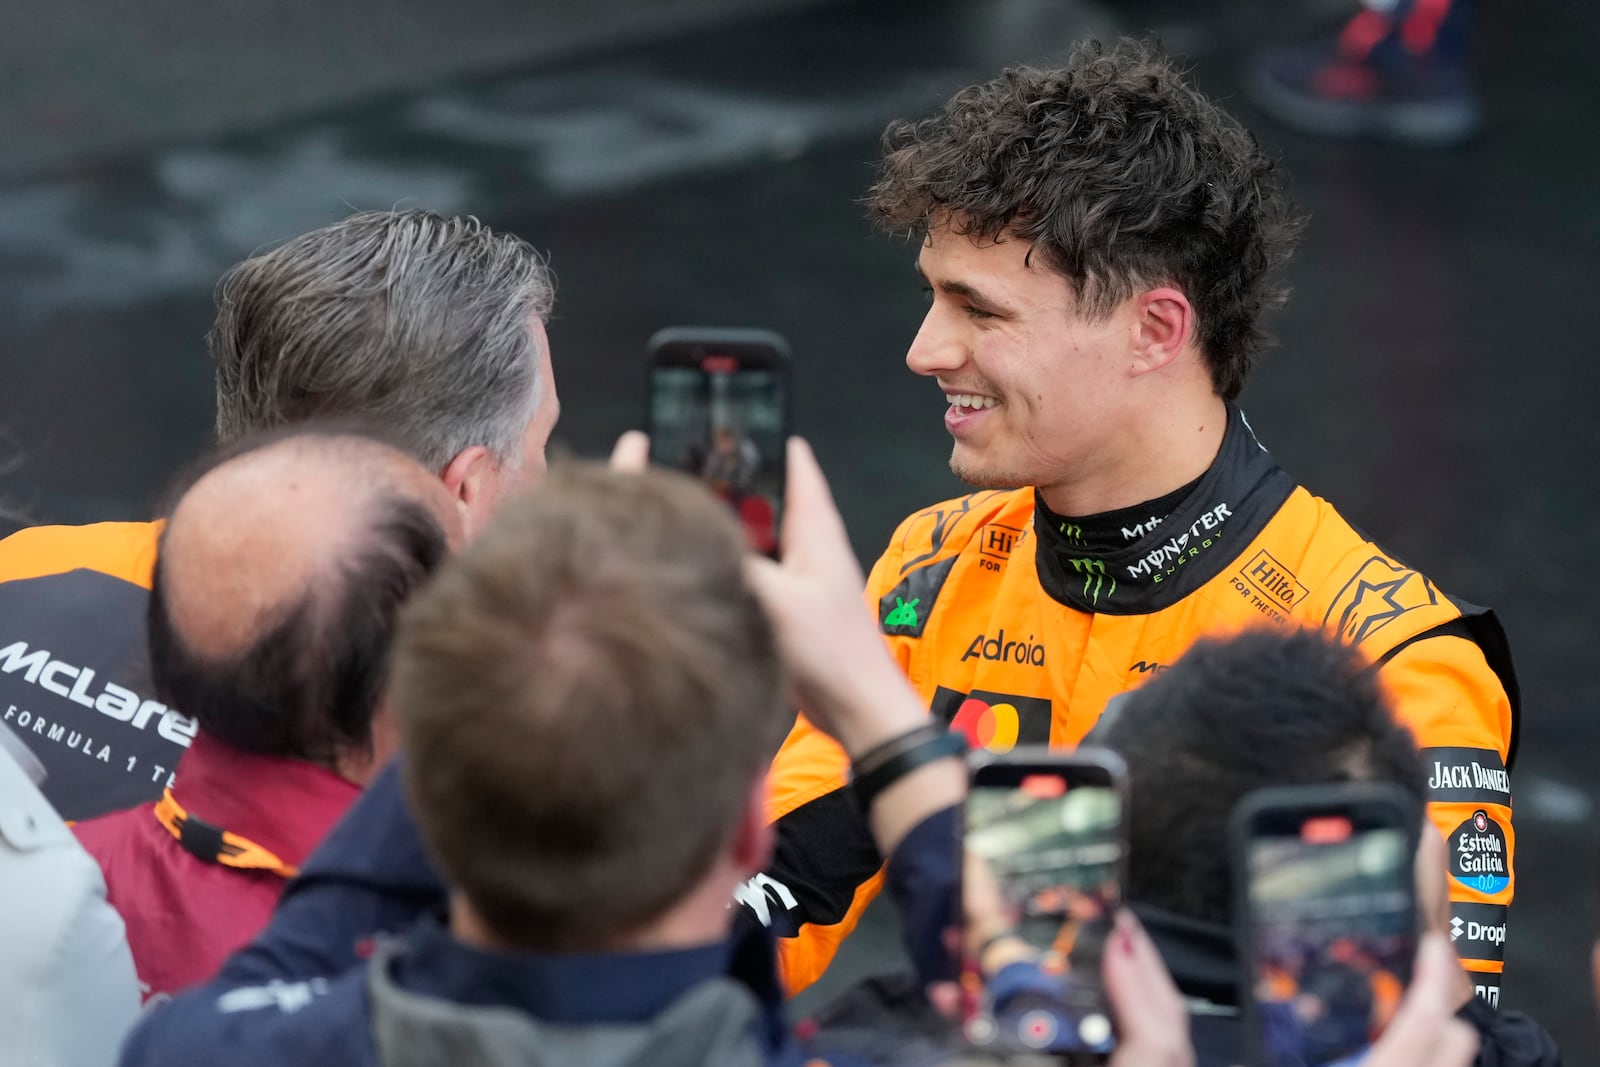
point(1263, 709)
point(283, 569)
point(430, 329)
point(1099, 242)
point(1259, 709)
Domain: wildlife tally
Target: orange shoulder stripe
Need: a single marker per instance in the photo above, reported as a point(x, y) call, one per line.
point(125, 550)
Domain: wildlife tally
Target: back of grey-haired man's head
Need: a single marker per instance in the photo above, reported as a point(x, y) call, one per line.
point(419, 323)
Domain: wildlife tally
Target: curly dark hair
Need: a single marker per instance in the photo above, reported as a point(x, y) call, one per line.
point(1121, 174)
point(1262, 708)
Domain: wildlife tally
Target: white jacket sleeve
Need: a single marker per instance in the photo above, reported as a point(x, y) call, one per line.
point(68, 992)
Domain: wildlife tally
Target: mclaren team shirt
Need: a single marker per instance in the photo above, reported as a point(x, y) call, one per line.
point(74, 674)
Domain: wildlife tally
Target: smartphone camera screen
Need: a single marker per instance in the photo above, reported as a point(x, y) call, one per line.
point(724, 423)
point(1042, 882)
point(1333, 936)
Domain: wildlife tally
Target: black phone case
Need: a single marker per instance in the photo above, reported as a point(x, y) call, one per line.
point(1095, 767)
point(688, 347)
point(1403, 812)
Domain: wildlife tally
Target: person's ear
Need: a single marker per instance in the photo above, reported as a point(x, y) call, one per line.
point(754, 837)
point(1164, 320)
point(361, 765)
point(472, 478)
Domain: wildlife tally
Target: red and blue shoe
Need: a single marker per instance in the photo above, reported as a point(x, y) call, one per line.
point(1384, 76)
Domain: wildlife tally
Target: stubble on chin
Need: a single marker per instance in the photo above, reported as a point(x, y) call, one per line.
point(980, 476)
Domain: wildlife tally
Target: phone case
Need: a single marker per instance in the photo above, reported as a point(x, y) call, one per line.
point(1372, 804)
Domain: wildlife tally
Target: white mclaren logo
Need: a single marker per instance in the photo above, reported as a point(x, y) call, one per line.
point(38, 667)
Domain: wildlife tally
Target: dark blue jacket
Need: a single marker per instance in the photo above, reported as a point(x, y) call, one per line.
point(304, 992)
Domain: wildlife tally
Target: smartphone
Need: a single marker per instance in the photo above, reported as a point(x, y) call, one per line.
point(718, 410)
point(1044, 845)
point(1326, 918)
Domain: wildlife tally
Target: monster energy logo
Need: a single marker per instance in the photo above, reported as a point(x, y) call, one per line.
point(1072, 533)
point(1094, 572)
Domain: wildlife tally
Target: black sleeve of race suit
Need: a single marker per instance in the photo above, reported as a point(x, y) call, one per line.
point(823, 853)
point(1511, 1039)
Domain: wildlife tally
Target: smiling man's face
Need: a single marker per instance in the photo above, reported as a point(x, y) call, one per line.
point(1035, 390)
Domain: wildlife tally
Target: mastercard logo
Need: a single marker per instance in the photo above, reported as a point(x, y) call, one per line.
point(993, 727)
point(993, 722)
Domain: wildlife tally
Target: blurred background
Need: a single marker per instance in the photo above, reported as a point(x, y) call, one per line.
point(702, 161)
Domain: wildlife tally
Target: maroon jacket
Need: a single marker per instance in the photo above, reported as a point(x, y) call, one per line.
point(185, 914)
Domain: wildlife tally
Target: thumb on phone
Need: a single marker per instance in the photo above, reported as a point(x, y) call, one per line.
point(1151, 1016)
point(1425, 1031)
point(631, 453)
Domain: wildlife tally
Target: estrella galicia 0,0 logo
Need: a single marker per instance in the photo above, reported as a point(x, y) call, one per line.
point(1479, 858)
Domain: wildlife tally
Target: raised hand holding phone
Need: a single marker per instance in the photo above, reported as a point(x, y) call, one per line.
point(1044, 854)
point(1152, 1018)
point(1425, 1031)
point(718, 403)
point(845, 680)
point(1327, 918)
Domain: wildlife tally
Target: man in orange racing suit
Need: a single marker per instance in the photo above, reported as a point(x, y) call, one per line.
point(1099, 241)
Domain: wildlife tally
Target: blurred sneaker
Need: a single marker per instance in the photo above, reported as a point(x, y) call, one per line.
point(1369, 81)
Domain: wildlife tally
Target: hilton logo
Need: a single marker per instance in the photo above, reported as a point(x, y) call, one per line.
point(1273, 580)
point(995, 542)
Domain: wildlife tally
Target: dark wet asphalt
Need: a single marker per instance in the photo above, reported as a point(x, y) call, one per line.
point(1436, 376)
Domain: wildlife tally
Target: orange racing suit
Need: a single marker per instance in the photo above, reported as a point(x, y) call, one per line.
point(1016, 629)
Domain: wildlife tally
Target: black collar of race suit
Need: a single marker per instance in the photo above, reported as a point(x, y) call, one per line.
point(1143, 559)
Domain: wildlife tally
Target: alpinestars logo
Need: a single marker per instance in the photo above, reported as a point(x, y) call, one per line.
point(1379, 593)
point(1095, 579)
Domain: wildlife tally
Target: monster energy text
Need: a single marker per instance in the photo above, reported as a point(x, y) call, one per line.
point(1174, 552)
